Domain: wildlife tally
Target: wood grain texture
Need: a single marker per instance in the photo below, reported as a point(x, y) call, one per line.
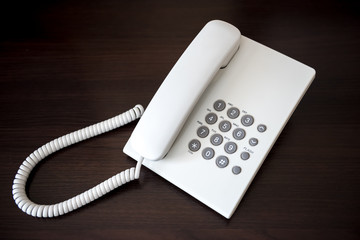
point(67, 64)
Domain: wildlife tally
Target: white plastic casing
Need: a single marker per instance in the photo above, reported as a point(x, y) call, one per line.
point(259, 81)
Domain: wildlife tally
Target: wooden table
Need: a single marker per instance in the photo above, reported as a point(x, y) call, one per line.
point(68, 64)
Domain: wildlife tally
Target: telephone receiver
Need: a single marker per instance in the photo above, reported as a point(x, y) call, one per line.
point(211, 50)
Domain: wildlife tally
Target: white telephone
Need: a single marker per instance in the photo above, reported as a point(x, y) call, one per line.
point(208, 128)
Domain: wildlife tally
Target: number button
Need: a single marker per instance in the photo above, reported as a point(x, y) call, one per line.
point(253, 141)
point(203, 131)
point(239, 133)
point(216, 139)
point(224, 126)
point(230, 147)
point(211, 118)
point(208, 153)
point(194, 145)
point(219, 105)
point(222, 161)
point(233, 112)
point(247, 120)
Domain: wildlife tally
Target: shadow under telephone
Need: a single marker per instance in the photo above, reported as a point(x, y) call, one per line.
point(208, 128)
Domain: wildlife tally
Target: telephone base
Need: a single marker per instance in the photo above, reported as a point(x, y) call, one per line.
point(251, 100)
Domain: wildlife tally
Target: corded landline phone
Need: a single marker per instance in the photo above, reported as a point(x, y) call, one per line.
point(208, 128)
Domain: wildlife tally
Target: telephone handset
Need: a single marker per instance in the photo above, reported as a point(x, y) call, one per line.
point(210, 125)
point(165, 115)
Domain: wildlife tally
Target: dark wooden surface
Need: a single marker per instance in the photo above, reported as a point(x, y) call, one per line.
point(67, 64)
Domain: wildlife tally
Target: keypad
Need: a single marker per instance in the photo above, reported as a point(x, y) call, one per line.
point(225, 126)
point(236, 170)
point(261, 128)
point(239, 133)
point(245, 155)
point(228, 147)
point(216, 139)
point(247, 120)
point(222, 161)
point(253, 141)
point(211, 118)
point(233, 112)
point(219, 105)
point(203, 131)
point(194, 145)
point(208, 153)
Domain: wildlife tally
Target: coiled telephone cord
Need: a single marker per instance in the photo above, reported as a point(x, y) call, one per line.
point(54, 210)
